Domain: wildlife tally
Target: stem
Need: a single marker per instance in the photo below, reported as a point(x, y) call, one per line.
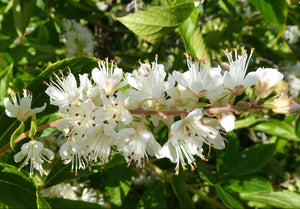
point(205, 111)
point(24, 135)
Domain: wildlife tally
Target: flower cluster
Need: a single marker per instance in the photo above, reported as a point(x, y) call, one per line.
point(78, 39)
point(110, 109)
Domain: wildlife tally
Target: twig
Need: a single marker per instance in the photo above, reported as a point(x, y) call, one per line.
point(24, 135)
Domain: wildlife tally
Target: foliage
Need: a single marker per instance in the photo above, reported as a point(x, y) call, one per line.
point(259, 166)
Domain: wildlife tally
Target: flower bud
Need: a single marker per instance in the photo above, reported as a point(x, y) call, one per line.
point(286, 105)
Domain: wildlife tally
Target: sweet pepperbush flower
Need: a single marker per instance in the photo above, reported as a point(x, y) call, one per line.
point(268, 77)
point(108, 78)
point(36, 154)
point(64, 90)
point(149, 80)
point(187, 138)
point(236, 79)
point(21, 107)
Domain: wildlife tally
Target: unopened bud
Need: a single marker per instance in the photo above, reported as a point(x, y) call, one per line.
point(286, 105)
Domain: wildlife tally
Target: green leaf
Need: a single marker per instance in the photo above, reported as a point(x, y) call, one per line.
point(8, 33)
point(5, 78)
point(280, 199)
point(274, 14)
point(245, 123)
point(208, 172)
point(33, 126)
point(22, 11)
point(227, 198)
point(156, 22)
point(192, 36)
point(250, 184)
point(117, 184)
point(251, 160)
point(61, 172)
point(178, 186)
point(225, 159)
point(41, 203)
point(297, 127)
point(276, 128)
point(153, 197)
point(66, 203)
point(16, 188)
point(16, 134)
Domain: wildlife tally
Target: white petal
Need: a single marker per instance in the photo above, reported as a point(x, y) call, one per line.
point(228, 81)
point(19, 156)
point(48, 153)
point(250, 79)
point(227, 121)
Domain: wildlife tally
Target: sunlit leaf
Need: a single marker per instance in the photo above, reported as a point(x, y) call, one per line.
point(280, 199)
point(16, 134)
point(276, 128)
point(249, 184)
point(156, 22)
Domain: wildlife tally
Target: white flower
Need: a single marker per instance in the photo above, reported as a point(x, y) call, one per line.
point(292, 33)
point(115, 110)
point(236, 79)
point(34, 152)
point(78, 119)
point(108, 78)
point(188, 136)
point(199, 79)
point(100, 141)
point(21, 107)
point(88, 90)
point(268, 77)
point(76, 153)
point(78, 39)
point(150, 80)
point(136, 144)
point(64, 90)
point(292, 75)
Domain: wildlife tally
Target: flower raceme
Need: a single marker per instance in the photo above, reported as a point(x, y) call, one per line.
point(101, 115)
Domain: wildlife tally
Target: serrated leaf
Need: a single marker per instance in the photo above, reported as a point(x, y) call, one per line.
point(250, 160)
point(153, 197)
point(280, 199)
point(276, 128)
point(16, 188)
point(16, 134)
point(66, 203)
point(227, 198)
point(156, 22)
point(33, 125)
point(274, 14)
point(249, 184)
point(178, 186)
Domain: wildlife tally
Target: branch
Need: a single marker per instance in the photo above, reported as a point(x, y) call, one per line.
point(24, 135)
